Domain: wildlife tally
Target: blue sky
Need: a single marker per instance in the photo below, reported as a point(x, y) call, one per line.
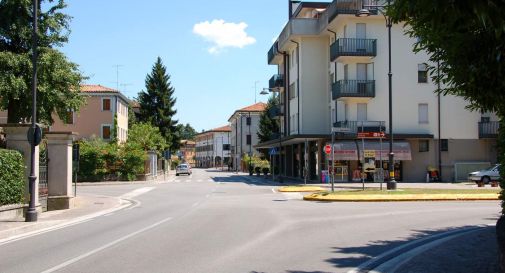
point(213, 66)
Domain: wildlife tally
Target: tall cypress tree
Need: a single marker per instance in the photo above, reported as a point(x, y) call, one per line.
point(157, 104)
point(268, 126)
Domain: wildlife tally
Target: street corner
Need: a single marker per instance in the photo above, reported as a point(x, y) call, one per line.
point(301, 188)
point(375, 195)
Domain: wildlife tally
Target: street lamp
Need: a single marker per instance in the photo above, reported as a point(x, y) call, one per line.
point(31, 214)
point(365, 12)
point(275, 90)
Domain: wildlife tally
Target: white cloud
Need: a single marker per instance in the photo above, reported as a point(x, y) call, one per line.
point(222, 34)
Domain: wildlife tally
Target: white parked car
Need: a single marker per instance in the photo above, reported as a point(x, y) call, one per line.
point(487, 175)
point(183, 169)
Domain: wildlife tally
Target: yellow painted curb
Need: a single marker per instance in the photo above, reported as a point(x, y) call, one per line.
point(300, 189)
point(402, 197)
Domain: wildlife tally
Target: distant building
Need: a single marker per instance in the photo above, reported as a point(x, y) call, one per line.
point(244, 125)
point(188, 152)
point(213, 148)
point(96, 116)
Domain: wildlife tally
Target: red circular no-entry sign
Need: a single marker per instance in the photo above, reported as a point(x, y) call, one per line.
point(327, 149)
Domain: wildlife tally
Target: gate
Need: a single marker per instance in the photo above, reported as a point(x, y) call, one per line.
point(43, 176)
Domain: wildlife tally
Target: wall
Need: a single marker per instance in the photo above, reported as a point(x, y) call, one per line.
point(314, 78)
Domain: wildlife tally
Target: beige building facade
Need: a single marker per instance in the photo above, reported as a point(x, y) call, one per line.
point(96, 116)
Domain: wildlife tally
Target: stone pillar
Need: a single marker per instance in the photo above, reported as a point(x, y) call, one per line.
point(59, 148)
point(153, 163)
point(17, 139)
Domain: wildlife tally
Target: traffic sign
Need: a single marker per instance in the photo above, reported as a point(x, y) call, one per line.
point(369, 153)
point(371, 135)
point(272, 151)
point(327, 149)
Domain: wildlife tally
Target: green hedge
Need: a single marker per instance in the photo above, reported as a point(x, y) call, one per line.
point(11, 177)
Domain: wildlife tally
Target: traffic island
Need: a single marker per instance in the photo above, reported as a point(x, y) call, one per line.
point(301, 189)
point(376, 195)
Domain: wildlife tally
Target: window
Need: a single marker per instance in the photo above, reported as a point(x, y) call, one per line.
point(485, 119)
point(423, 113)
point(106, 131)
point(248, 139)
point(226, 147)
point(248, 121)
point(422, 73)
point(69, 117)
point(346, 72)
point(444, 145)
point(424, 145)
point(292, 91)
point(105, 104)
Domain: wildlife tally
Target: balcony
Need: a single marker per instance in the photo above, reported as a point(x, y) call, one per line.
point(353, 89)
point(273, 53)
point(276, 81)
point(489, 129)
point(348, 7)
point(298, 27)
point(353, 47)
point(353, 127)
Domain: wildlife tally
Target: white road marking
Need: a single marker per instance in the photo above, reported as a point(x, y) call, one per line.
point(96, 250)
point(210, 180)
point(136, 192)
point(273, 190)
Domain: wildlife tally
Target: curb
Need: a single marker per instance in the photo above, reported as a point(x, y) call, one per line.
point(350, 198)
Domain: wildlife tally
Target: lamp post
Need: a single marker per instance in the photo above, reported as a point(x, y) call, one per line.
point(365, 12)
point(31, 213)
point(275, 90)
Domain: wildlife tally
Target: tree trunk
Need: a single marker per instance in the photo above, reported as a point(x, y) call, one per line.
point(500, 236)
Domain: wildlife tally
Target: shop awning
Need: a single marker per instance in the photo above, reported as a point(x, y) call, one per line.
point(348, 150)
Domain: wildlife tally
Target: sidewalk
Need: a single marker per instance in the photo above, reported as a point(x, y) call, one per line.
point(85, 207)
point(473, 252)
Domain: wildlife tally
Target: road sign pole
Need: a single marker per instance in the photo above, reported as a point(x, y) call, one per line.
point(332, 162)
point(363, 165)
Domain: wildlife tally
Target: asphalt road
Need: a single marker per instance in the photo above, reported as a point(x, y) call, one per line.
point(221, 222)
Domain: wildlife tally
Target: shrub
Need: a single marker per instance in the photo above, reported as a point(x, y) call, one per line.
point(92, 164)
point(132, 158)
point(11, 177)
point(174, 164)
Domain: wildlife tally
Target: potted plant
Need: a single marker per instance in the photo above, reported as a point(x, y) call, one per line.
point(251, 169)
point(265, 171)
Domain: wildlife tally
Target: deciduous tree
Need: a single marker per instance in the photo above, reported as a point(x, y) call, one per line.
point(58, 78)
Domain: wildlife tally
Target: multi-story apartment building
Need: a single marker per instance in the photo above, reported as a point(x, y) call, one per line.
point(333, 75)
point(244, 132)
point(96, 116)
point(213, 147)
point(188, 151)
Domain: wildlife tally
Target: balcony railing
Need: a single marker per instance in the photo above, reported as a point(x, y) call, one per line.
point(274, 50)
point(348, 7)
point(353, 47)
point(276, 80)
point(353, 89)
point(353, 127)
point(489, 129)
